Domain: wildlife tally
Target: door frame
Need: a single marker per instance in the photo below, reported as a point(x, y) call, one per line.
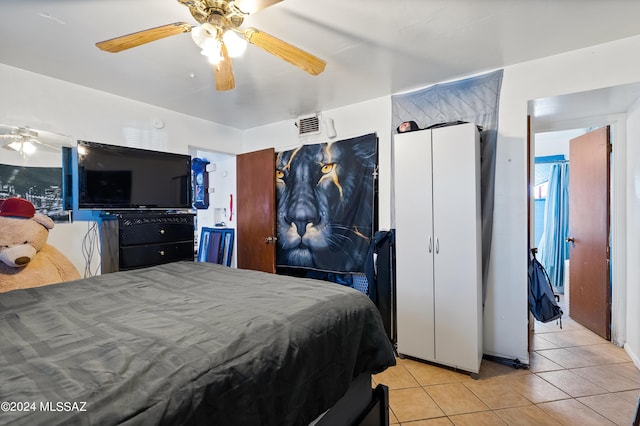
point(618, 203)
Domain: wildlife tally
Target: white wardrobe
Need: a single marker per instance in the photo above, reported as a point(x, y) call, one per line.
point(438, 246)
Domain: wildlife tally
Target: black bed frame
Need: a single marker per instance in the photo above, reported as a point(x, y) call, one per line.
point(360, 406)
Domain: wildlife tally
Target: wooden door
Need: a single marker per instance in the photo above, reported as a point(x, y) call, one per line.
point(589, 284)
point(458, 247)
point(414, 244)
point(256, 210)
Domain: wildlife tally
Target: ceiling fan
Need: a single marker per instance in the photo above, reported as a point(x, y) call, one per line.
point(218, 35)
point(26, 141)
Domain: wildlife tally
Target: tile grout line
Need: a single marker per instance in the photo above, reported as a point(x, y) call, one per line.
point(594, 354)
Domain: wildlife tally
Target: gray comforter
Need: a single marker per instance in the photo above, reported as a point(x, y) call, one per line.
point(184, 343)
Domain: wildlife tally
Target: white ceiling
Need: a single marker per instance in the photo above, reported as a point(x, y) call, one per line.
point(373, 48)
point(571, 110)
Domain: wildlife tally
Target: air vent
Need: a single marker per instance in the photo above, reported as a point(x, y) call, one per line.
point(308, 125)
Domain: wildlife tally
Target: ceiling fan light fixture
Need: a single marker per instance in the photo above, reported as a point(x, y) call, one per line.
point(23, 147)
point(15, 145)
point(211, 48)
point(212, 52)
point(236, 45)
point(198, 35)
point(28, 148)
point(215, 58)
point(207, 38)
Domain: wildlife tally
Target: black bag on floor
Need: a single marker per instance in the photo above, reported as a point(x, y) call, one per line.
point(542, 301)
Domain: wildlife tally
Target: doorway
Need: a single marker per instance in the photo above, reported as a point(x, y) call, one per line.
point(573, 201)
point(221, 191)
point(592, 109)
point(550, 197)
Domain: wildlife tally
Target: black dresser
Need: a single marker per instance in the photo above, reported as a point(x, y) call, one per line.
point(135, 240)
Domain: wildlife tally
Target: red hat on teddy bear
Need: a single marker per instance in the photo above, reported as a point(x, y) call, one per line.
point(17, 207)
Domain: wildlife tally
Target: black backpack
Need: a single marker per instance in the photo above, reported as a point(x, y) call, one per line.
point(542, 302)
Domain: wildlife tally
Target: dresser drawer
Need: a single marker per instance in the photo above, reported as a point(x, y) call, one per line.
point(153, 229)
point(151, 233)
point(154, 254)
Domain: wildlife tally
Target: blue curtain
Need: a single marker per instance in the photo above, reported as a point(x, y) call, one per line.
point(553, 249)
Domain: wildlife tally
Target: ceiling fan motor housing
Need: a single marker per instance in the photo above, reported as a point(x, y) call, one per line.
point(220, 13)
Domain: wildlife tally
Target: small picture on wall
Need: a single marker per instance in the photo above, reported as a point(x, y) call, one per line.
point(42, 186)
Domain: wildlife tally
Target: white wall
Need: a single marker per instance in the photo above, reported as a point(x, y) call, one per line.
point(222, 181)
point(29, 99)
point(633, 231)
point(555, 143)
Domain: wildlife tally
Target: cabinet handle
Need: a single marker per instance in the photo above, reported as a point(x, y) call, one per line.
point(161, 252)
point(162, 232)
point(430, 244)
point(437, 245)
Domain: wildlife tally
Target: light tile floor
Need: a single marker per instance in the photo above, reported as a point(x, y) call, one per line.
point(574, 378)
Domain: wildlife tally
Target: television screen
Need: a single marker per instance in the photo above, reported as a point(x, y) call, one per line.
point(113, 177)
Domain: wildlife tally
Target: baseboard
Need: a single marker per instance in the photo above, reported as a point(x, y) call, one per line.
point(634, 357)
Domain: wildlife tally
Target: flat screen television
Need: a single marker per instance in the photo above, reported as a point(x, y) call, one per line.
point(114, 177)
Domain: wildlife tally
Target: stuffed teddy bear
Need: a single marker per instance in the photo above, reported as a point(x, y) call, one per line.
point(26, 260)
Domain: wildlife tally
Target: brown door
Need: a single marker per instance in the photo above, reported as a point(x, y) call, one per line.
point(256, 210)
point(589, 284)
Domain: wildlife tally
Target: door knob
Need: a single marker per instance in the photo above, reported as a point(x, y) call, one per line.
point(570, 240)
point(271, 240)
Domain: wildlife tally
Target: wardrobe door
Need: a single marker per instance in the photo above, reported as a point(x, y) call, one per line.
point(457, 258)
point(414, 244)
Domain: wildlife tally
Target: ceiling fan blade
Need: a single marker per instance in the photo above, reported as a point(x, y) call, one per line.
point(252, 6)
point(19, 138)
point(223, 72)
point(119, 44)
point(294, 55)
point(53, 140)
point(43, 146)
point(6, 130)
point(6, 140)
point(39, 146)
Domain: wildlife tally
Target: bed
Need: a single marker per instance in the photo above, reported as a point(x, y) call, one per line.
point(191, 343)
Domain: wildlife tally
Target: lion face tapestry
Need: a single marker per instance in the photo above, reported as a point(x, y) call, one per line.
point(325, 196)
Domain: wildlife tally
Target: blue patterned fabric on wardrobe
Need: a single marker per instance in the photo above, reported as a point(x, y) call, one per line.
point(474, 100)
